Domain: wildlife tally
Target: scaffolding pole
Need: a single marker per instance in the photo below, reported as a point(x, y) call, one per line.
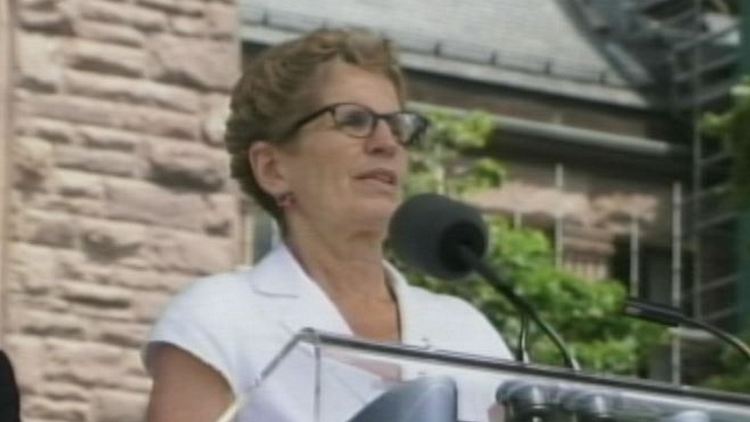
point(559, 241)
point(697, 141)
point(743, 238)
point(676, 288)
point(635, 256)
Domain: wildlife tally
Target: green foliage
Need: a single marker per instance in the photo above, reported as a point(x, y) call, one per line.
point(444, 166)
point(734, 372)
point(733, 129)
point(587, 314)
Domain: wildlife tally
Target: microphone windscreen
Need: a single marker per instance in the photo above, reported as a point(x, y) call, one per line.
point(428, 230)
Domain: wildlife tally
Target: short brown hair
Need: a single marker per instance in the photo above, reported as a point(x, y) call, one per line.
point(272, 91)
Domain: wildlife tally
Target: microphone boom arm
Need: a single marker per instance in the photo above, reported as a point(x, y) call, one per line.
point(520, 303)
point(666, 315)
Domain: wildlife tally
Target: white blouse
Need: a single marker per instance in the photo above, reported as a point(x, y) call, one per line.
point(236, 323)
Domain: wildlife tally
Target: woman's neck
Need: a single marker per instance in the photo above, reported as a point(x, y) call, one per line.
point(348, 267)
point(345, 264)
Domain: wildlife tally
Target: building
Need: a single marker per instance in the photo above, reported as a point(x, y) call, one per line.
point(597, 104)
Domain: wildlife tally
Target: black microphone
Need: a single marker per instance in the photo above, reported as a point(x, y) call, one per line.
point(526, 401)
point(447, 239)
point(667, 315)
point(589, 406)
point(428, 231)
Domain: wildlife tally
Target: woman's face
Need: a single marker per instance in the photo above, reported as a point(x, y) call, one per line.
point(337, 178)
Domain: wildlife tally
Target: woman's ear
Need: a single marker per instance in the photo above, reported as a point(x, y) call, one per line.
point(265, 162)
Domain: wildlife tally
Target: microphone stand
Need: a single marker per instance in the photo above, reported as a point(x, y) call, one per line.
point(522, 354)
point(525, 402)
point(520, 303)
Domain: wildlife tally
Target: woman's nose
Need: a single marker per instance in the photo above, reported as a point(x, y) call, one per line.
point(382, 140)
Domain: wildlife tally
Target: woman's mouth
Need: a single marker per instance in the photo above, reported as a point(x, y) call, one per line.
point(383, 176)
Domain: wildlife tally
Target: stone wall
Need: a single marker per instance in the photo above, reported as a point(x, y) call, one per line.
point(119, 192)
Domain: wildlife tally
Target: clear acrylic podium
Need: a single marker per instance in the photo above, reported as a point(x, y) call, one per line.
point(323, 377)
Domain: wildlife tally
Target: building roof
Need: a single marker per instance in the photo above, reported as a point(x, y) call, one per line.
point(539, 45)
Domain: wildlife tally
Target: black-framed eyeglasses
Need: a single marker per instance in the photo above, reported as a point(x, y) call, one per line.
point(360, 121)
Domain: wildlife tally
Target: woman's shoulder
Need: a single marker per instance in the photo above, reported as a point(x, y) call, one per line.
point(205, 301)
point(206, 319)
point(233, 287)
point(230, 321)
point(216, 287)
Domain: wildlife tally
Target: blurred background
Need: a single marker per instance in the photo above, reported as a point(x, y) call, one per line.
point(607, 141)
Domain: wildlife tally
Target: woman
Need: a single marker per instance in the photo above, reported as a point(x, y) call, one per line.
point(318, 136)
point(9, 396)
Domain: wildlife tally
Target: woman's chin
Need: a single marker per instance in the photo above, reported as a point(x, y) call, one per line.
point(376, 212)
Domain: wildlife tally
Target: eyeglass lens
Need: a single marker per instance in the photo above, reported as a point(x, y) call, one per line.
point(361, 122)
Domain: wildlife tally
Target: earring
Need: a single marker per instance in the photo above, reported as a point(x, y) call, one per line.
point(285, 200)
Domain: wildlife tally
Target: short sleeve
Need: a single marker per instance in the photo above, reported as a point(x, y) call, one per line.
point(190, 323)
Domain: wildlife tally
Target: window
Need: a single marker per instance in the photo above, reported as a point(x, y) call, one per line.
point(654, 278)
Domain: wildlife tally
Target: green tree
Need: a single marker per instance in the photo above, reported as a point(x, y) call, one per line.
point(734, 371)
point(587, 314)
